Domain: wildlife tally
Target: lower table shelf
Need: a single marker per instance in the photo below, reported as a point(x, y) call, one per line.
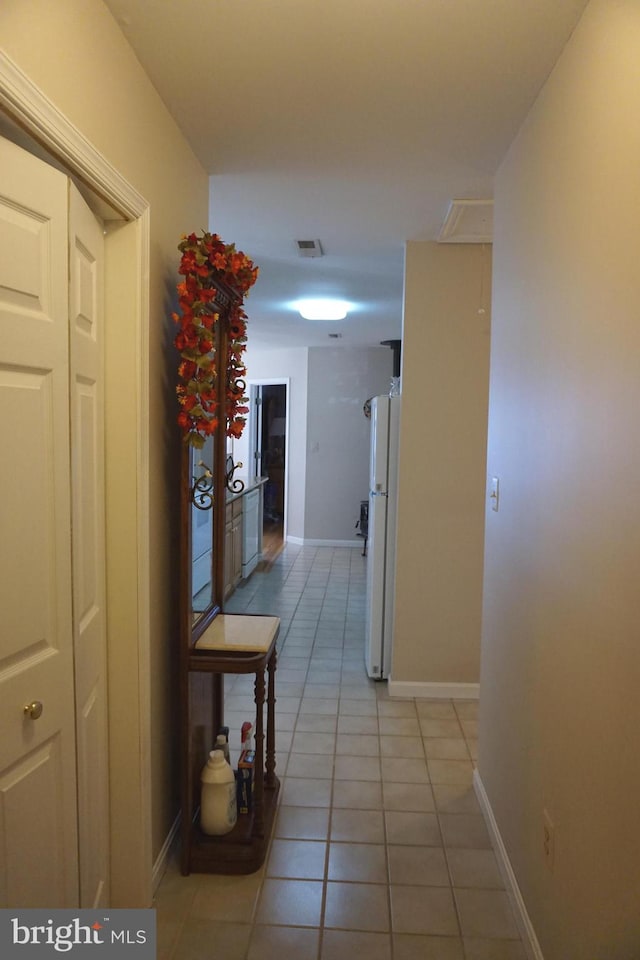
point(232, 644)
point(240, 851)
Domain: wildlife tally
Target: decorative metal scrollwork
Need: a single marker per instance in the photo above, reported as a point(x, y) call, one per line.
point(233, 486)
point(202, 490)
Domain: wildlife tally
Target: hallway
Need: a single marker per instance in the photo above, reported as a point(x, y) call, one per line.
point(380, 849)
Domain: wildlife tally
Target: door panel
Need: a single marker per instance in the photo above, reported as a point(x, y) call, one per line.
point(29, 792)
point(37, 755)
point(86, 245)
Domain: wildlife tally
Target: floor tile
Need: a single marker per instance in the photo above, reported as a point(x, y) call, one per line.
point(284, 722)
point(322, 706)
point(287, 704)
point(290, 902)
point(397, 708)
point(467, 709)
point(358, 826)
point(451, 771)
point(310, 765)
point(418, 866)
point(284, 738)
point(486, 913)
point(297, 859)
point(167, 932)
point(401, 770)
point(443, 748)
point(320, 691)
point(197, 936)
point(423, 910)
point(357, 768)
point(469, 728)
point(399, 726)
point(411, 947)
point(358, 708)
point(312, 723)
point(476, 949)
point(306, 792)
point(440, 728)
point(464, 830)
point(436, 709)
point(308, 742)
point(351, 725)
point(176, 893)
point(474, 868)
point(366, 862)
point(413, 828)
point(408, 796)
point(283, 943)
point(349, 945)
point(456, 798)
point(357, 794)
point(302, 823)
point(232, 899)
point(327, 675)
point(357, 745)
point(357, 906)
point(406, 747)
point(357, 691)
point(290, 688)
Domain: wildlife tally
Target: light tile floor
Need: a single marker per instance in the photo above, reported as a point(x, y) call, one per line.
point(380, 849)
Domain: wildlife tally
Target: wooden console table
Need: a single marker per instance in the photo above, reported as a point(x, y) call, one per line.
point(234, 644)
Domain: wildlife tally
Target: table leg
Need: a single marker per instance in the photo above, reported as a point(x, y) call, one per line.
point(271, 721)
point(258, 815)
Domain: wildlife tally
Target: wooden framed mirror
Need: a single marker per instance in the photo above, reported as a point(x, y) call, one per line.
point(203, 485)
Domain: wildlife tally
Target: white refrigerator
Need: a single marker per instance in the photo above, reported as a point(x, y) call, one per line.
point(381, 543)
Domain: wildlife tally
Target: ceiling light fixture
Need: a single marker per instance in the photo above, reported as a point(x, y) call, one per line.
point(322, 309)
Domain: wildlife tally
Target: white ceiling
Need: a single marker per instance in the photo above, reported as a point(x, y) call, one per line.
point(354, 122)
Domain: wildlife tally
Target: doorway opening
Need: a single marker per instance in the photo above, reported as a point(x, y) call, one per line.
point(269, 441)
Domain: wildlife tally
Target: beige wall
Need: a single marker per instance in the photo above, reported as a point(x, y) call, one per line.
point(559, 705)
point(445, 355)
point(339, 435)
point(74, 51)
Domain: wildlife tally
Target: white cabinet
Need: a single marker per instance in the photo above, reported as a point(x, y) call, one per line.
point(252, 531)
point(243, 537)
point(233, 546)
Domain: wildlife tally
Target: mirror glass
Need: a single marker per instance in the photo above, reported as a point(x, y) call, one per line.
point(202, 552)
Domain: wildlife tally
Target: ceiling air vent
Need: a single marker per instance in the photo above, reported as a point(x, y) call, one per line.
point(468, 221)
point(309, 248)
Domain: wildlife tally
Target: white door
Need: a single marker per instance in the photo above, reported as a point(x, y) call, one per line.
point(38, 807)
point(86, 275)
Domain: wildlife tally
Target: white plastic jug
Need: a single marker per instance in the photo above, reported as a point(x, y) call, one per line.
point(218, 804)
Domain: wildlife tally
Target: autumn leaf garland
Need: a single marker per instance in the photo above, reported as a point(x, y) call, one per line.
point(205, 261)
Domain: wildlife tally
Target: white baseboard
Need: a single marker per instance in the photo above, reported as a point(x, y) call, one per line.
point(160, 864)
point(527, 932)
point(305, 542)
point(408, 689)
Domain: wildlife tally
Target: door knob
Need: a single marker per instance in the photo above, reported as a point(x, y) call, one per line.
point(33, 710)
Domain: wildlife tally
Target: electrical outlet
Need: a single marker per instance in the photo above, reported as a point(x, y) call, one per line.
point(494, 493)
point(548, 839)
